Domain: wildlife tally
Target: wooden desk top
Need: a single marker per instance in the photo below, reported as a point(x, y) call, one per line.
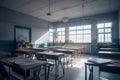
point(113, 63)
point(7, 61)
point(73, 48)
point(51, 53)
point(25, 51)
point(39, 49)
point(66, 51)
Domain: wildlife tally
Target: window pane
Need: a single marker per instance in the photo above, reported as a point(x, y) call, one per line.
point(108, 30)
point(62, 33)
point(100, 25)
point(72, 32)
point(78, 36)
point(100, 30)
point(59, 33)
point(87, 31)
point(51, 30)
point(51, 34)
point(101, 35)
point(108, 35)
point(108, 24)
point(87, 26)
point(60, 29)
point(72, 36)
point(62, 37)
point(79, 27)
point(80, 32)
point(72, 28)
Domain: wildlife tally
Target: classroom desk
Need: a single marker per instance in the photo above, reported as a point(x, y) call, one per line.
point(25, 51)
point(112, 67)
point(54, 56)
point(73, 48)
point(39, 49)
point(9, 62)
point(67, 52)
point(109, 54)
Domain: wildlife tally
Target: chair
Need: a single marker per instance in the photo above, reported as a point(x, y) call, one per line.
point(3, 72)
point(50, 64)
point(5, 75)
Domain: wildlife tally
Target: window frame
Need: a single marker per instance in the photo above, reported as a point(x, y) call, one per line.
point(51, 35)
point(80, 33)
point(104, 32)
point(60, 34)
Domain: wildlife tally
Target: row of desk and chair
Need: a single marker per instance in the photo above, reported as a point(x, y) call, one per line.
point(33, 59)
point(108, 61)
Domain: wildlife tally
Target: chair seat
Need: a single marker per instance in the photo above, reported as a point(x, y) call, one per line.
point(50, 63)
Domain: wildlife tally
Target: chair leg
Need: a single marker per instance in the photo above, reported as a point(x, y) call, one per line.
point(39, 73)
point(48, 72)
point(52, 68)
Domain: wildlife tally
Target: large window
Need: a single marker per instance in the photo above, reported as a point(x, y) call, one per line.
point(104, 32)
point(60, 34)
point(51, 34)
point(80, 34)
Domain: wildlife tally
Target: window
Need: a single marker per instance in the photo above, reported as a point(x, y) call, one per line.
point(61, 34)
point(104, 32)
point(80, 34)
point(51, 31)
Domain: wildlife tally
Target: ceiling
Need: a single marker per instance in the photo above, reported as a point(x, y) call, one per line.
point(61, 8)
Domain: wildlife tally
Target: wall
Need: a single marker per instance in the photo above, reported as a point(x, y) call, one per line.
point(10, 18)
point(93, 20)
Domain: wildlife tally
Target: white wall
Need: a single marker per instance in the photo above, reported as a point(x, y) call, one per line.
point(37, 33)
point(10, 18)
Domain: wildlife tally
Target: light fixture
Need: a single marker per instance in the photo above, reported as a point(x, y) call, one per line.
point(49, 13)
point(65, 19)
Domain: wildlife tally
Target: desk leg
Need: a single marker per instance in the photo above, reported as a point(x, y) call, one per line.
point(91, 72)
point(99, 73)
point(9, 73)
point(48, 72)
point(62, 65)
point(71, 59)
point(45, 72)
point(56, 70)
point(85, 71)
point(25, 75)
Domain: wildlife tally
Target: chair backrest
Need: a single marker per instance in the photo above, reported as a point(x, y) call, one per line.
point(40, 57)
point(3, 72)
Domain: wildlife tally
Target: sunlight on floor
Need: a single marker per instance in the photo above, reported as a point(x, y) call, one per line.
point(79, 63)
